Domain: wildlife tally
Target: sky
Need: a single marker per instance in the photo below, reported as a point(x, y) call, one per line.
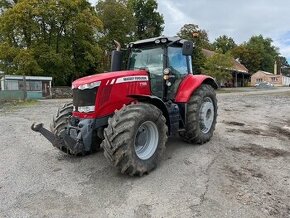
point(237, 19)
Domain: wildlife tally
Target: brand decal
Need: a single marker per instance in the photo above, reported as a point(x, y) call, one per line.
point(132, 79)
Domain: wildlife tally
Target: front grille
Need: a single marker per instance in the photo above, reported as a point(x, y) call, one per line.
point(105, 94)
point(86, 97)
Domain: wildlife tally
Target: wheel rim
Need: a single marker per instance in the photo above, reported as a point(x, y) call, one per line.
point(206, 115)
point(146, 140)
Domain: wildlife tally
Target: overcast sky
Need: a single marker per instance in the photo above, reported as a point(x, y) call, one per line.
point(238, 19)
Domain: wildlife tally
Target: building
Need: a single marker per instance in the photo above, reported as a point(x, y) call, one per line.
point(276, 80)
point(240, 74)
point(37, 87)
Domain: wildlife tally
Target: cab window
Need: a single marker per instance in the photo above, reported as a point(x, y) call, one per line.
point(177, 61)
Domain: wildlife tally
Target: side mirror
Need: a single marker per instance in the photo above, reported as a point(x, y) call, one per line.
point(187, 48)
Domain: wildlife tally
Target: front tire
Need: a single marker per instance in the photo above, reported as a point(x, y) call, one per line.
point(201, 115)
point(135, 139)
point(59, 124)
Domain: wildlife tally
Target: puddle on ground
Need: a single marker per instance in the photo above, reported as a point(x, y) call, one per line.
point(280, 131)
point(259, 151)
point(234, 123)
point(283, 130)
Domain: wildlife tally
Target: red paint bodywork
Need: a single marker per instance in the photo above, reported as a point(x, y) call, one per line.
point(189, 84)
point(112, 96)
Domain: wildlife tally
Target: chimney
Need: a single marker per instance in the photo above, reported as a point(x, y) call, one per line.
point(275, 68)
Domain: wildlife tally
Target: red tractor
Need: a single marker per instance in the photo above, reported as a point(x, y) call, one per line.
point(130, 114)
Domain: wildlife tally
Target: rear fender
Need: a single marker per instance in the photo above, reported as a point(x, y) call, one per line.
point(189, 84)
point(156, 102)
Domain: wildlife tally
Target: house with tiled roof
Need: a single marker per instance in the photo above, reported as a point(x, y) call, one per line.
point(240, 74)
point(263, 76)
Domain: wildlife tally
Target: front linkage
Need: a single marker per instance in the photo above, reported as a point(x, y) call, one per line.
point(71, 145)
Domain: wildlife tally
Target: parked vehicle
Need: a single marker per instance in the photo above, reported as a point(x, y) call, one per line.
point(131, 113)
point(264, 85)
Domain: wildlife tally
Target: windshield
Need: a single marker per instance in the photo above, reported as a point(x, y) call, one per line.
point(150, 59)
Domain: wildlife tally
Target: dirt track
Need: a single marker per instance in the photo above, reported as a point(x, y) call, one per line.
point(244, 171)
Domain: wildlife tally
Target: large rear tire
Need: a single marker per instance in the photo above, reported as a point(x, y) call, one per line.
point(201, 115)
point(60, 122)
point(135, 139)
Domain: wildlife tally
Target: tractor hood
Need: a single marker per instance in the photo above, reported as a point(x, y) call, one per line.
point(97, 79)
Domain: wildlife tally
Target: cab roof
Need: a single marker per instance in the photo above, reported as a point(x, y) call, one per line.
point(158, 40)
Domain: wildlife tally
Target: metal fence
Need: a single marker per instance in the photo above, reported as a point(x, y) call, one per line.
point(19, 95)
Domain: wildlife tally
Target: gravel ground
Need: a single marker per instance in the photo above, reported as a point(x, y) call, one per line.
point(244, 171)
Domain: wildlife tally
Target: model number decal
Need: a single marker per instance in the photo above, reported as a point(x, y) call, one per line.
point(132, 79)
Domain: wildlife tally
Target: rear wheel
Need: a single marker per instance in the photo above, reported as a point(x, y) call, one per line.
point(135, 138)
point(201, 115)
point(60, 123)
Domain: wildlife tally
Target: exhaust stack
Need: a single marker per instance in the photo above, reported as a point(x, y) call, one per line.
point(117, 58)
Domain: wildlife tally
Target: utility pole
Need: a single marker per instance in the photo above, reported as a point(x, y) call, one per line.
point(24, 88)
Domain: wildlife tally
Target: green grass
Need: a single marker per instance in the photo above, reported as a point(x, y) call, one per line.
point(26, 103)
point(234, 90)
point(13, 104)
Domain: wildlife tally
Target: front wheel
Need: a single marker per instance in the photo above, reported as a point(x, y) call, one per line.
point(201, 115)
point(135, 138)
point(59, 124)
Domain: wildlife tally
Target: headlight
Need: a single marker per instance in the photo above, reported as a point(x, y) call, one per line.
point(90, 85)
point(166, 71)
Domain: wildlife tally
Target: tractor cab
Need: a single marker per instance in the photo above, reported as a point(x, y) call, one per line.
point(167, 59)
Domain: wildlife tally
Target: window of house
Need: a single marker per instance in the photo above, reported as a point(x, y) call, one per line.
point(34, 86)
point(259, 80)
point(274, 79)
point(11, 85)
point(31, 85)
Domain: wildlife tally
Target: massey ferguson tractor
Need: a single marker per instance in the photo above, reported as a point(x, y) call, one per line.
point(130, 114)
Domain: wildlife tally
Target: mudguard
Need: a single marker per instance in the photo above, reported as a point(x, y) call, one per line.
point(189, 84)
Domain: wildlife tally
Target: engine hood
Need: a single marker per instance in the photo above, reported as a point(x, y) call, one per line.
point(104, 77)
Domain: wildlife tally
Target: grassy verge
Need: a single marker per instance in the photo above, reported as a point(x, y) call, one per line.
point(10, 105)
point(282, 94)
point(235, 90)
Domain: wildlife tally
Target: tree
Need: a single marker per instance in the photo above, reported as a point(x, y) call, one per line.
point(200, 38)
point(148, 20)
point(257, 54)
point(282, 65)
point(118, 22)
point(283, 61)
point(54, 38)
point(194, 33)
point(6, 4)
point(247, 57)
point(223, 44)
point(219, 66)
